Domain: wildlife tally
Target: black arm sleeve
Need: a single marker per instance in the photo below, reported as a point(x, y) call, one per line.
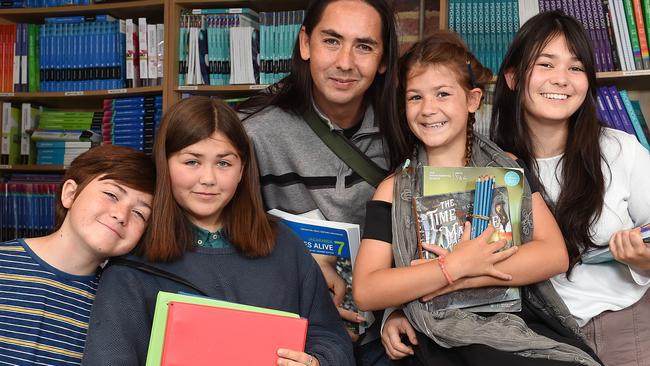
point(378, 224)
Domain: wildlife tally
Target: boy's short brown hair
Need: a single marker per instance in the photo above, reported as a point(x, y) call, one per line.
point(124, 165)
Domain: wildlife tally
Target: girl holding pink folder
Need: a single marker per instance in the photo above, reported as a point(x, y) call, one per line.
point(208, 227)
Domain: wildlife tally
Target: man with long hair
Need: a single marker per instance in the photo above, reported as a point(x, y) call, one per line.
point(343, 73)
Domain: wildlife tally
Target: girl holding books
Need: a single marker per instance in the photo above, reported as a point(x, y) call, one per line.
point(209, 229)
point(441, 85)
point(595, 179)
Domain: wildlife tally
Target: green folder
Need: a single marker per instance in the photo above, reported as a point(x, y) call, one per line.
point(154, 353)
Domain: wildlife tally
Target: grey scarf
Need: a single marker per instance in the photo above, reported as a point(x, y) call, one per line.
point(455, 328)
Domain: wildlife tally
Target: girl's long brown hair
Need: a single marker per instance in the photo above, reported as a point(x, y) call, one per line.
point(171, 233)
point(446, 49)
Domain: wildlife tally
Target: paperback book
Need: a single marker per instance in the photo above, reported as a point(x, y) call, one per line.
point(447, 202)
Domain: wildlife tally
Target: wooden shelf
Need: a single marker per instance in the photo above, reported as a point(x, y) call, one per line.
point(636, 80)
point(78, 99)
point(222, 91)
point(33, 168)
point(257, 5)
point(126, 9)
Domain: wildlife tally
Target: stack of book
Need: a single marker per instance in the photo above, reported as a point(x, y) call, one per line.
point(27, 205)
point(617, 110)
point(447, 201)
point(41, 3)
point(219, 47)
point(61, 136)
point(131, 122)
point(77, 53)
point(278, 34)
point(618, 29)
point(195, 330)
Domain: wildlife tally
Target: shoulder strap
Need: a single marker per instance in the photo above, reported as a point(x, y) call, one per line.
point(153, 271)
point(345, 150)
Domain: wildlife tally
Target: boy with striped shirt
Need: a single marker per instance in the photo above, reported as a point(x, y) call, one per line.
point(48, 284)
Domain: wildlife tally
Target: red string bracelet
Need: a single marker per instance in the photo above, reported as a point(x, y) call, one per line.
point(443, 268)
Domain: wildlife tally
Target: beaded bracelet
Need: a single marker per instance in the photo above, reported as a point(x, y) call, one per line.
point(443, 268)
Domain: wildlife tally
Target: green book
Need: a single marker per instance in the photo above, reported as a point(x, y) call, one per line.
point(154, 353)
point(10, 145)
point(447, 202)
point(33, 62)
point(634, 35)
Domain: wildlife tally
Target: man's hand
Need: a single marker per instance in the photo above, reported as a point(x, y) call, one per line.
point(337, 287)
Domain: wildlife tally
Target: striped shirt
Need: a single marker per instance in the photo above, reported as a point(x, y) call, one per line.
point(44, 312)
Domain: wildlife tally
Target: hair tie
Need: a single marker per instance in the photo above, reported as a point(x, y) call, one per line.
point(472, 79)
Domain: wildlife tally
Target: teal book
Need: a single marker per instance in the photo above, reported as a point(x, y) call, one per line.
point(636, 106)
point(636, 124)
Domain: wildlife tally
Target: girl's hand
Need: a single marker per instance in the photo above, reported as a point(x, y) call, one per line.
point(290, 357)
point(476, 257)
point(628, 247)
point(396, 325)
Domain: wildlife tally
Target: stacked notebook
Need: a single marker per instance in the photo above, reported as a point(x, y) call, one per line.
point(195, 330)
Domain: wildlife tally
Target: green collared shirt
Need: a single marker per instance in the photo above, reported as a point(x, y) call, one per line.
point(206, 239)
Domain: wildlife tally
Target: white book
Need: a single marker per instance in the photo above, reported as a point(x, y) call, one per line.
point(625, 35)
point(29, 120)
point(241, 56)
point(160, 53)
point(152, 61)
point(527, 10)
point(144, 51)
point(6, 127)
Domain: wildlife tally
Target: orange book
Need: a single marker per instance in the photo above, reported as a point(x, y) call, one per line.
point(201, 335)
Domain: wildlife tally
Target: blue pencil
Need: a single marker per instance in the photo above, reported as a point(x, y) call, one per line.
point(477, 187)
point(488, 202)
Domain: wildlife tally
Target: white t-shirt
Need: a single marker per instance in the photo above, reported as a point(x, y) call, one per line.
point(594, 288)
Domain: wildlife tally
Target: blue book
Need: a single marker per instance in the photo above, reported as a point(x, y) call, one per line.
point(80, 18)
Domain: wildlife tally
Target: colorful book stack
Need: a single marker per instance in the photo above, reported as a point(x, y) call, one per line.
point(618, 111)
point(41, 3)
point(27, 205)
point(131, 121)
point(76, 53)
point(278, 33)
point(482, 205)
point(195, 330)
point(61, 136)
point(618, 29)
point(219, 47)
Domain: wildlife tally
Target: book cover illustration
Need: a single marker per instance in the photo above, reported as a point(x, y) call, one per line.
point(446, 203)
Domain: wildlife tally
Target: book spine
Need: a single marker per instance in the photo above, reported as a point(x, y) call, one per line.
point(633, 34)
point(620, 109)
point(641, 30)
point(624, 35)
point(638, 131)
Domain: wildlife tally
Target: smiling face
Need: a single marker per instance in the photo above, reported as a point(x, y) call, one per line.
point(107, 216)
point(204, 178)
point(437, 108)
point(344, 51)
point(557, 85)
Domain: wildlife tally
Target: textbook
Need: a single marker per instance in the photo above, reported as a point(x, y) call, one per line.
point(604, 255)
point(196, 330)
point(332, 238)
point(447, 201)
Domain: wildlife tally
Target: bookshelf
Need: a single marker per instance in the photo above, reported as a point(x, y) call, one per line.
point(636, 82)
point(173, 11)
